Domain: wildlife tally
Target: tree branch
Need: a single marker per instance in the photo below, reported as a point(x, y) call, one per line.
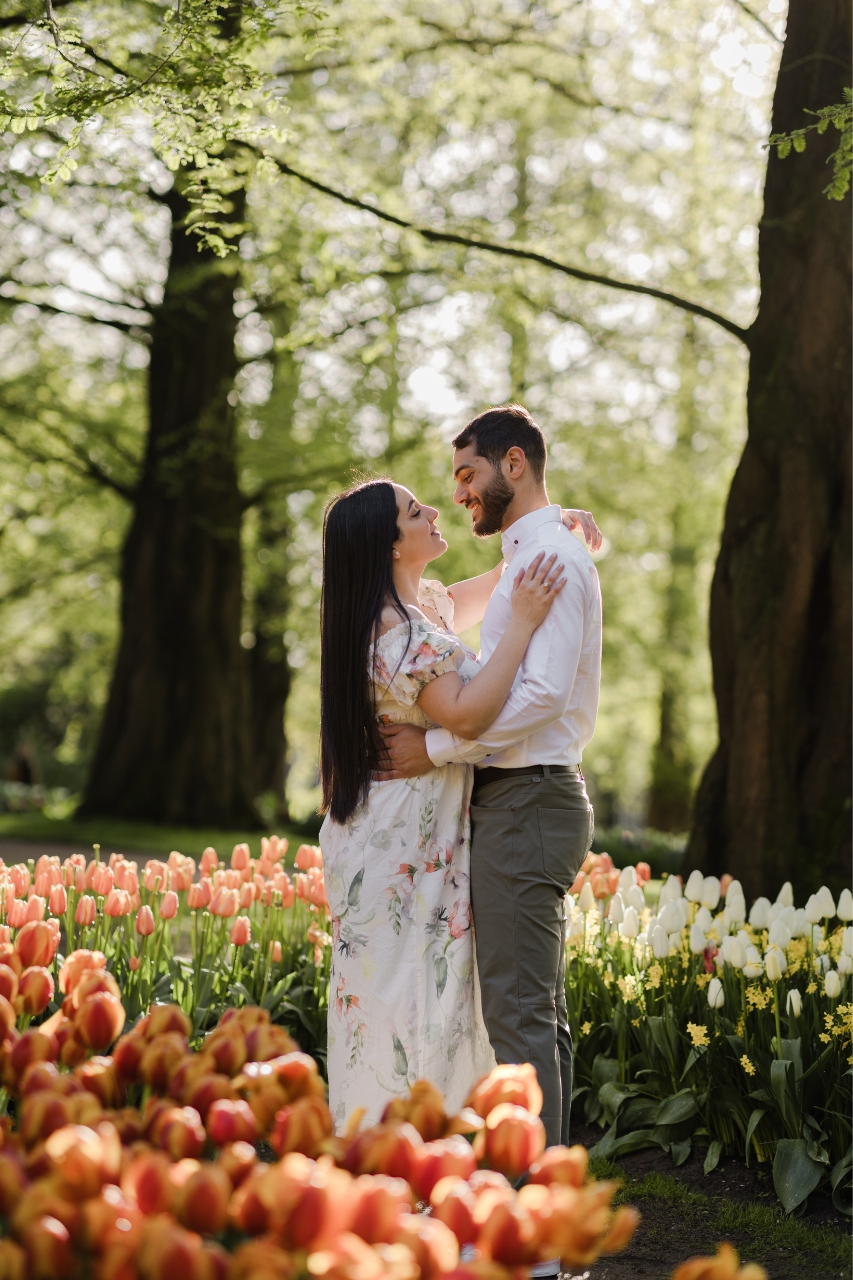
point(741, 4)
point(509, 251)
point(21, 18)
point(136, 330)
point(82, 464)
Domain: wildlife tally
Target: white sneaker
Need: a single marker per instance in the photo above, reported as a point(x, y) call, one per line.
point(545, 1270)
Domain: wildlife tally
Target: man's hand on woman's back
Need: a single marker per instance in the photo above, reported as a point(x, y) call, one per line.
point(406, 753)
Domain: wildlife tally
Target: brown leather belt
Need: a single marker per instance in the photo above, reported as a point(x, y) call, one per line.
point(493, 774)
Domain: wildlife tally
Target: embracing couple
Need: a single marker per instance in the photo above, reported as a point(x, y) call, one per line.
point(452, 783)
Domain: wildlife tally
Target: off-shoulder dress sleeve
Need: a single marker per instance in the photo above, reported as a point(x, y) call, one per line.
point(435, 595)
point(401, 670)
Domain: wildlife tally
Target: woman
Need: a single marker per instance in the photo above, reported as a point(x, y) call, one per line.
point(403, 998)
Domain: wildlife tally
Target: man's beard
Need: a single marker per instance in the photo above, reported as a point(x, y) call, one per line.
point(494, 500)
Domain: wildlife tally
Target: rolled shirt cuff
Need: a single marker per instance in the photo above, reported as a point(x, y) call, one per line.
point(440, 746)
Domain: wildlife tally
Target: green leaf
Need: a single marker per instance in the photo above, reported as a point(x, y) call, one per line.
point(681, 1106)
point(605, 1069)
point(355, 889)
point(799, 142)
point(751, 1127)
point(680, 1151)
point(795, 1176)
point(712, 1159)
point(784, 148)
point(839, 1180)
point(440, 975)
point(611, 1146)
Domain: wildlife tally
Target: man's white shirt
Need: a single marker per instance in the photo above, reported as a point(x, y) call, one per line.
point(549, 716)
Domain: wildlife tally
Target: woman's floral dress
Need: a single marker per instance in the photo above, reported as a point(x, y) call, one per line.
point(404, 1001)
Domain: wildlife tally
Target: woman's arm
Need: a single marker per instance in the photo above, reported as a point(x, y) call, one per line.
point(469, 709)
point(471, 596)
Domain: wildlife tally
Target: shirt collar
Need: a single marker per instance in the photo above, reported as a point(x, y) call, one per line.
point(521, 529)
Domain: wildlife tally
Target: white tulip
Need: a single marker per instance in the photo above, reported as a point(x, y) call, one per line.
point(587, 898)
point(800, 927)
point(753, 955)
point(789, 917)
point(725, 948)
point(752, 970)
point(694, 886)
point(669, 917)
point(616, 909)
point(759, 916)
point(697, 939)
point(735, 890)
point(823, 962)
point(642, 939)
point(844, 964)
point(786, 895)
point(826, 901)
point(630, 926)
point(716, 994)
point(671, 888)
point(710, 892)
point(684, 907)
point(744, 938)
point(794, 1003)
point(634, 897)
point(627, 878)
point(832, 985)
point(775, 913)
point(737, 955)
point(779, 936)
point(847, 940)
point(773, 965)
point(844, 910)
point(814, 911)
point(704, 920)
point(675, 941)
point(735, 912)
point(660, 942)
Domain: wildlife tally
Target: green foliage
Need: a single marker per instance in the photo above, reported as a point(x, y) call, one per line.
point(841, 117)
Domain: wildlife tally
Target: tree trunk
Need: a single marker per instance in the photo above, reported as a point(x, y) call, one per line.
point(270, 673)
point(174, 741)
point(774, 803)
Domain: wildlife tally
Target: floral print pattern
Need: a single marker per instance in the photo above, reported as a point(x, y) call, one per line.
point(406, 1001)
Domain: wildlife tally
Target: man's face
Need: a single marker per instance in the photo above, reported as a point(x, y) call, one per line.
point(483, 489)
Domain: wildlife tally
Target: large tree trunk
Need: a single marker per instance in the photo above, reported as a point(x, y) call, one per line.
point(174, 740)
point(269, 668)
point(774, 803)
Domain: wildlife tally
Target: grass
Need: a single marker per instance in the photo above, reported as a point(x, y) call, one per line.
point(138, 837)
point(765, 1226)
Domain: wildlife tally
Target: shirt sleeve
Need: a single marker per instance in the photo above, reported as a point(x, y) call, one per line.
point(547, 673)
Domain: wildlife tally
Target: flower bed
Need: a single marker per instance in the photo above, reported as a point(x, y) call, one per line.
point(695, 1022)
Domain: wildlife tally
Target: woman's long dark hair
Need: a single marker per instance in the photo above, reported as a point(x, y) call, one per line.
point(359, 532)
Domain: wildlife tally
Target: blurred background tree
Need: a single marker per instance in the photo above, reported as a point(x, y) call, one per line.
point(625, 138)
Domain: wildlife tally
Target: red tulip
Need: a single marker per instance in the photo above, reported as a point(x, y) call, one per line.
point(85, 913)
point(436, 1160)
point(83, 1158)
point(168, 908)
point(453, 1203)
point(35, 990)
point(509, 1083)
point(169, 1252)
point(58, 900)
point(145, 922)
point(145, 1181)
point(127, 1056)
point(202, 1203)
point(304, 1127)
point(508, 1235)
point(167, 1017)
point(228, 1047)
point(12, 1182)
point(35, 944)
point(178, 1131)
point(32, 1046)
point(99, 1077)
point(99, 1020)
point(48, 1248)
point(433, 1244)
point(379, 1203)
point(511, 1140)
point(209, 1089)
point(564, 1165)
point(388, 1149)
point(161, 1058)
point(8, 982)
point(241, 931)
point(231, 1121)
point(238, 1159)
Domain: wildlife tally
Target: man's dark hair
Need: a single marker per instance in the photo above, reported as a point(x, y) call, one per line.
point(508, 426)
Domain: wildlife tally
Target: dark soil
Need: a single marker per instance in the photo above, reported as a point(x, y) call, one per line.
point(686, 1213)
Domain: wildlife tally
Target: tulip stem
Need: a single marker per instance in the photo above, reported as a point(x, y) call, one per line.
point(778, 1023)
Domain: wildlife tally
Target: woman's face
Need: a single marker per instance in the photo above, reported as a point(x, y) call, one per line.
point(419, 540)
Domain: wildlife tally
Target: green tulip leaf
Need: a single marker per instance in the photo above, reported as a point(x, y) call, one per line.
point(681, 1106)
point(795, 1175)
point(712, 1159)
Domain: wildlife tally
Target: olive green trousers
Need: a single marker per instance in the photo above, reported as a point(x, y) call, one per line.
point(529, 836)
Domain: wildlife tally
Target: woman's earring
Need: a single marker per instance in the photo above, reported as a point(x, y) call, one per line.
point(396, 555)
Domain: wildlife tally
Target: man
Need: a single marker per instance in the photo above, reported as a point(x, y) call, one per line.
point(531, 820)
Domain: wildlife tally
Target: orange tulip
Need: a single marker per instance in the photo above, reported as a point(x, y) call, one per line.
point(725, 1266)
point(8, 1018)
point(508, 1235)
point(8, 982)
point(13, 1261)
point(85, 913)
point(145, 922)
point(190, 1069)
point(379, 1204)
point(196, 899)
point(168, 907)
point(83, 1158)
point(304, 1127)
point(127, 1057)
point(227, 1045)
point(13, 1180)
point(57, 900)
point(433, 1244)
point(170, 1252)
point(509, 1083)
point(209, 1089)
point(566, 1165)
point(231, 1121)
point(350, 1258)
point(247, 1211)
point(238, 1159)
point(644, 872)
point(48, 1247)
point(275, 952)
point(241, 931)
point(261, 1260)
point(146, 1183)
point(388, 1149)
point(102, 880)
point(511, 1140)
point(160, 1059)
point(117, 904)
point(453, 1203)
point(99, 1020)
point(35, 944)
point(209, 861)
point(35, 990)
point(167, 1017)
point(577, 1224)
point(36, 906)
point(436, 1160)
point(423, 1108)
point(32, 1046)
point(91, 982)
point(202, 1203)
point(100, 1078)
point(265, 1042)
point(307, 856)
point(16, 913)
point(19, 875)
point(155, 876)
point(179, 1132)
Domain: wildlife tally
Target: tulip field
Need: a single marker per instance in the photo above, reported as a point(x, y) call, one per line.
point(162, 1031)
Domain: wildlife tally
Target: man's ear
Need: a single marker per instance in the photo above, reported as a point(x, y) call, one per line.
point(515, 463)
